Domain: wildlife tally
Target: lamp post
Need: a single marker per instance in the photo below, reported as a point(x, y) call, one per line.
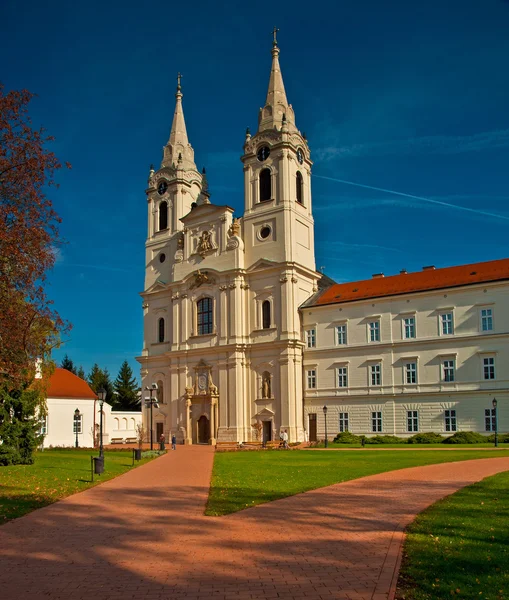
point(325, 415)
point(101, 392)
point(494, 402)
point(150, 403)
point(77, 416)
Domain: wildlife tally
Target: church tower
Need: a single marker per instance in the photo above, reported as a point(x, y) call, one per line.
point(171, 191)
point(277, 181)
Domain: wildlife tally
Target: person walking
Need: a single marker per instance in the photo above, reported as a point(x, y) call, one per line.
point(285, 439)
point(173, 442)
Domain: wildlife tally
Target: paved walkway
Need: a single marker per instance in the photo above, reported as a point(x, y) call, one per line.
point(144, 536)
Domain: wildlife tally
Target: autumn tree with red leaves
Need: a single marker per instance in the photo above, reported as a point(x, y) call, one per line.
point(29, 325)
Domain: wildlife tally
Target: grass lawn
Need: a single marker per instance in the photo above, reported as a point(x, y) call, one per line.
point(458, 548)
point(244, 479)
point(54, 475)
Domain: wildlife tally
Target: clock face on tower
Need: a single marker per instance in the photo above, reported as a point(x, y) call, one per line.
point(162, 187)
point(300, 156)
point(263, 153)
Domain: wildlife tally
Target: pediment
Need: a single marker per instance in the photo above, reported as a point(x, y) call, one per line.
point(205, 212)
point(158, 286)
point(265, 412)
point(262, 263)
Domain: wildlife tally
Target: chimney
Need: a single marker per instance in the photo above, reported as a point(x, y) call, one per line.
point(378, 275)
point(429, 268)
point(403, 272)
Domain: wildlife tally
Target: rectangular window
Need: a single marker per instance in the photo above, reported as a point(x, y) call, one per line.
point(342, 377)
point(446, 324)
point(486, 319)
point(412, 420)
point(376, 374)
point(489, 368)
point(343, 422)
point(490, 419)
point(376, 422)
point(411, 373)
point(374, 331)
point(448, 370)
point(409, 324)
point(341, 334)
point(312, 379)
point(450, 420)
point(311, 338)
point(77, 423)
point(44, 426)
point(205, 316)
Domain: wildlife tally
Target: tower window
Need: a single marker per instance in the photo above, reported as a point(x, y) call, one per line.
point(299, 184)
point(204, 316)
point(163, 216)
point(160, 330)
point(265, 185)
point(266, 314)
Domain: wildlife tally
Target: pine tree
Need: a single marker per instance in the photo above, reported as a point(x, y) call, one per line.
point(126, 388)
point(97, 379)
point(68, 364)
point(81, 373)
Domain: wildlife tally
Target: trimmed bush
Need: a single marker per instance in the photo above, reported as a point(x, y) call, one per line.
point(503, 438)
point(385, 439)
point(345, 437)
point(466, 437)
point(426, 438)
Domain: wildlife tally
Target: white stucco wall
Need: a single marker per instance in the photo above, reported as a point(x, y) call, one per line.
point(60, 420)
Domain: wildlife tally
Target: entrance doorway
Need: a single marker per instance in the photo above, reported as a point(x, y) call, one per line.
point(312, 427)
point(203, 430)
point(267, 431)
point(159, 431)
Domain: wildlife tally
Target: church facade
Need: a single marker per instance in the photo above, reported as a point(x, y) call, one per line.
point(222, 328)
point(244, 339)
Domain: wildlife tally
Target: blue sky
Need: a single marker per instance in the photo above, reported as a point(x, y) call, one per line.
point(398, 96)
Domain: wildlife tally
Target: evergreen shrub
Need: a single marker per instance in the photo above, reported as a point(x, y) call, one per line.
point(385, 439)
point(426, 438)
point(466, 437)
point(345, 437)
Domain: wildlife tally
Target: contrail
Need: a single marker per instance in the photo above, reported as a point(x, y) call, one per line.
point(371, 187)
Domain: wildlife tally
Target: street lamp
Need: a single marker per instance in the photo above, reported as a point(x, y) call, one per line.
point(77, 416)
point(101, 392)
point(325, 415)
point(494, 402)
point(150, 403)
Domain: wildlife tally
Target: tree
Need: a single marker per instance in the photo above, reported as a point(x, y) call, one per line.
point(81, 373)
point(97, 379)
point(68, 364)
point(126, 388)
point(29, 325)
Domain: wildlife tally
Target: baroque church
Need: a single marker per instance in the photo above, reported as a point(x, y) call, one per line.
point(223, 336)
point(244, 339)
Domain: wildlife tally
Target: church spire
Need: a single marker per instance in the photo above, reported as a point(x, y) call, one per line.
point(276, 103)
point(178, 149)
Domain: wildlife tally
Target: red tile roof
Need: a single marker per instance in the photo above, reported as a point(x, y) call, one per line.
point(407, 283)
point(64, 384)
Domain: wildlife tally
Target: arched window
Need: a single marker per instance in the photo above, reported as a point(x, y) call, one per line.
point(160, 330)
point(115, 424)
point(124, 423)
point(266, 314)
point(265, 187)
point(160, 392)
point(133, 424)
point(204, 316)
point(163, 215)
point(299, 188)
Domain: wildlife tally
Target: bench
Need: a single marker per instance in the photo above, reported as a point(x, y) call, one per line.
point(131, 440)
point(273, 444)
point(117, 440)
point(226, 446)
point(251, 446)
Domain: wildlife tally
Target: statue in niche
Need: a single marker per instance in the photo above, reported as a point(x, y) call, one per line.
point(266, 386)
point(204, 243)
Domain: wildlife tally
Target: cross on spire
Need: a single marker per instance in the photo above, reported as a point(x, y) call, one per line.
point(179, 77)
point(274, 33)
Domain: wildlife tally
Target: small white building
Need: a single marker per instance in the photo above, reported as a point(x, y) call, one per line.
point(66, 392)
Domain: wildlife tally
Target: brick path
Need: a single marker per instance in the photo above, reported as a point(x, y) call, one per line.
point(143, 536)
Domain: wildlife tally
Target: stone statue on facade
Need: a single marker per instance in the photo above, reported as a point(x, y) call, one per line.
point(266, 386)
